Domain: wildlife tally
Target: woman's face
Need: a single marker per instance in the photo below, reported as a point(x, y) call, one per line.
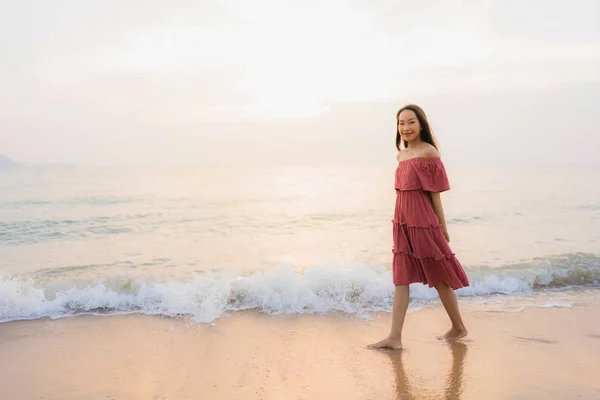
point(408, 125)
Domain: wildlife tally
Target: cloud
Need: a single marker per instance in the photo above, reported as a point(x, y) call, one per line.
point(101, 80)
point(546, 22)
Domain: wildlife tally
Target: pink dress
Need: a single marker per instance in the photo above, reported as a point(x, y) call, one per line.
point(421, 252)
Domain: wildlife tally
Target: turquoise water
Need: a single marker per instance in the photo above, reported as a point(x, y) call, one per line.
point(205, 241)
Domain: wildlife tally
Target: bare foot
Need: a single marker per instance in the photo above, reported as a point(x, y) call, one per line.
point(454, 334)
point(387, 343)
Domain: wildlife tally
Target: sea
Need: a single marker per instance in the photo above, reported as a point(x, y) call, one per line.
point(205, 242)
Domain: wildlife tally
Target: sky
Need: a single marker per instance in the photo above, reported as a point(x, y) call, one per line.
point(315, 81)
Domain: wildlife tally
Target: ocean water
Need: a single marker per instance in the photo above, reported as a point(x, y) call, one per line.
point(204, 242)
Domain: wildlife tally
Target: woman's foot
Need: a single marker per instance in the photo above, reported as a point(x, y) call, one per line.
point(454, 334)
point(387, 343)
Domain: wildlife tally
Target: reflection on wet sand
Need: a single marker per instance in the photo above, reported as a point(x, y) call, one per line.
point(453, 384)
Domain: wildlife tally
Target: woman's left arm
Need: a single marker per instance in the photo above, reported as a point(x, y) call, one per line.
point(439, 211)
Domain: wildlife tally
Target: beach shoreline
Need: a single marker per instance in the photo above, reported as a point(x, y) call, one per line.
point(250, 355)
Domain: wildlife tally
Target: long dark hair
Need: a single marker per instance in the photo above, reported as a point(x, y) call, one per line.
point(426, 134)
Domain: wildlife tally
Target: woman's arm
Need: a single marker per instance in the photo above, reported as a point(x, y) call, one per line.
point(439, 211)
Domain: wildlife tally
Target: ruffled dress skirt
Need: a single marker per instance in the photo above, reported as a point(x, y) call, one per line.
point(420, 250)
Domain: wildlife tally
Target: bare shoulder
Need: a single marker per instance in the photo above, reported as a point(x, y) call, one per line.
point(429, 151)
point(402, 155)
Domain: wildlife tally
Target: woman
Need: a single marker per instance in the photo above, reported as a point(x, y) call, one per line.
point(421, 250)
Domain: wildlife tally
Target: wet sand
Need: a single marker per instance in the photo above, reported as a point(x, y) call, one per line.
point(534, 354)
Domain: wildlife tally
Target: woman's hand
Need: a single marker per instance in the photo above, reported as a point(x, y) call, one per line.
point(439, 211)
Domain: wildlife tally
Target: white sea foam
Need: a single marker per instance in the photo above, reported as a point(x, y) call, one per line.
point(357, 289)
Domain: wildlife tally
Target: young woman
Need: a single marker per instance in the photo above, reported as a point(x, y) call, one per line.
point(421, 250)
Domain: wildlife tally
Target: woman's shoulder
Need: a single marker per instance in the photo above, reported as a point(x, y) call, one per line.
point(426, 153)
point(429, 151)
point(402, 155)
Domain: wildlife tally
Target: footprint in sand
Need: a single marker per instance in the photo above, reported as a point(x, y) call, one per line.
point(595, 336)
point(539, 340)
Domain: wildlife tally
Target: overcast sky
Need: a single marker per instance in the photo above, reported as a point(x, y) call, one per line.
point(221, 81)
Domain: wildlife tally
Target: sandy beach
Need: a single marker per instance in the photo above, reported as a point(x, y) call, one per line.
point(534, 354)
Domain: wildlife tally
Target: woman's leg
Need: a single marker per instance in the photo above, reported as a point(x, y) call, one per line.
point(401, 300)
point(448, 298)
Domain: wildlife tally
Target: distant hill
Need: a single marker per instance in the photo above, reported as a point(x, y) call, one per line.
point(7, 162)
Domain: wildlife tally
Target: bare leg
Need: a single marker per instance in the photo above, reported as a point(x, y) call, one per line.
point(448, 298)
point(394, 340)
